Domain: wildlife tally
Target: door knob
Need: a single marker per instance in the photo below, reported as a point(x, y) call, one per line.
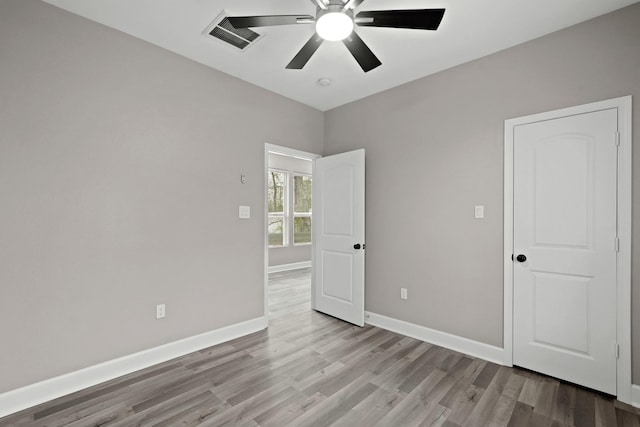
point(521, 258)
point(356, 246)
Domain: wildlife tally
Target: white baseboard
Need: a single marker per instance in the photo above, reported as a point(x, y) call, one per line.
point(635, 395)
point(35, 394)
point(443, 339)
point(287, 267)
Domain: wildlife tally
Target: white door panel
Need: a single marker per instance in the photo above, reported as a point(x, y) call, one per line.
point(565, 186)
point(338, 225)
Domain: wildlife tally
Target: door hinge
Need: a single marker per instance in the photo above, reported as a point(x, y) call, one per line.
point(616, 244)
point(617, 350)
point(617, 138)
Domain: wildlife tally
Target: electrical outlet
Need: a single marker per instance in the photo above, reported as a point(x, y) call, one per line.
point(403, 293)
point(160, 311)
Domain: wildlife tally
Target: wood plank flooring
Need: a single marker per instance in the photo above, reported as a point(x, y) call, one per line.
point(309, 369)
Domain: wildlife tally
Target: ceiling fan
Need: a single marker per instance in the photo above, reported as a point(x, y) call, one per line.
point(335, 21)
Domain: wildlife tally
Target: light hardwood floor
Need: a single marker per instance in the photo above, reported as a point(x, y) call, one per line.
point(309, 369)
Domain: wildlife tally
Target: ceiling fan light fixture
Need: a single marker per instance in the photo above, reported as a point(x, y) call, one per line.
point(334, 25)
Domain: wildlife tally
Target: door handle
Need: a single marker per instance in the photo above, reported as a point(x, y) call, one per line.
point(521, 258)
point(356, 246)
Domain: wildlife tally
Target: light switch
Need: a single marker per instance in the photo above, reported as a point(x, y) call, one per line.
point(479, 212)
point(244, 212)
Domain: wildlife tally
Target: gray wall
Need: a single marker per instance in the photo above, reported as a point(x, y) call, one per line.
point(434, 150)
point(120, 183)
point(289, 254)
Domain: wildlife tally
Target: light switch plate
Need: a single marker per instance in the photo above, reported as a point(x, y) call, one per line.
point(244, 212)
point(479, 212)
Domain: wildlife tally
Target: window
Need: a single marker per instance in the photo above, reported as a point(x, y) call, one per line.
point(301, 209)
point(277, 190)
point(289, 199)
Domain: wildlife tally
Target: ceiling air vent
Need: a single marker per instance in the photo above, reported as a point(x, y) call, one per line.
point(222, 29)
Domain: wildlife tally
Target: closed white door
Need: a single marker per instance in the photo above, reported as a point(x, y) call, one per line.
point(564, 301)
point(338, 236)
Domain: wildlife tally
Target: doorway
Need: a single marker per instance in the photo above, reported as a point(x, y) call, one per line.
point(287, 227)
point(567, 244)
point(337, 245)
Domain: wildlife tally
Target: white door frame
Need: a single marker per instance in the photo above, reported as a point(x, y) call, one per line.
point(623, 284)
point(286, 151)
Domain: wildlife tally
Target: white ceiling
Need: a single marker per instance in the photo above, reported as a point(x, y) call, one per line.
point(470, 29)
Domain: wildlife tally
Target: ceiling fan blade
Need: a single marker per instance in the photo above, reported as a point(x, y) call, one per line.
point(352, 4)
point(305, 53)
point(361, 52)
point(419, 19)
point(268, 20)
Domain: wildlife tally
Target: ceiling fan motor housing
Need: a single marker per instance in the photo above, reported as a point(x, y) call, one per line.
point(334, 8)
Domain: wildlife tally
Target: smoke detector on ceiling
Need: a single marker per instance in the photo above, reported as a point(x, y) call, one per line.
point(240, 38)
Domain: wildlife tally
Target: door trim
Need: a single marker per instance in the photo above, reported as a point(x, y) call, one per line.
point(291, 152)
point(623, 267)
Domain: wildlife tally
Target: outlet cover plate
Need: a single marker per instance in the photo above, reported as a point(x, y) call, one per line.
point(161, 311)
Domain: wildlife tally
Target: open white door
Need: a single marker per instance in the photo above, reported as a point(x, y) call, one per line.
point(338, 236)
